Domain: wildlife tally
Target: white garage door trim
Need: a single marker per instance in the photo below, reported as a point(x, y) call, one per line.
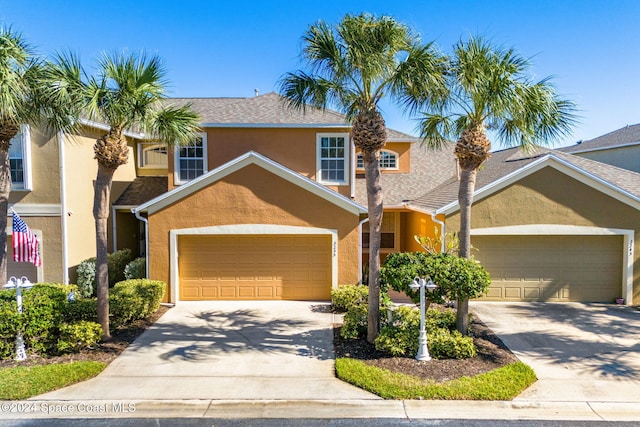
point(575, 230)
point(245, 229)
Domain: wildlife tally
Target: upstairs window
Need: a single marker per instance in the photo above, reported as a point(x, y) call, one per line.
point(152, 155)
point(388, 160)
point(20, 159)
point(191, 160)
point(333, 158)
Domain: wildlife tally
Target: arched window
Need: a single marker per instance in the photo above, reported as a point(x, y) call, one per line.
point(388, 160)
point(152, 155)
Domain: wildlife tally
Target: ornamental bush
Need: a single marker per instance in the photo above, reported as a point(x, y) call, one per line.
point(134, 299)
point(81, 309)
point(86, 271)
point(9, 323)
point(42, 308)
point(446, 344)
point(456, 278)
point(136, 269)
point(400, 336)
point(78, 336)
point(348, 296)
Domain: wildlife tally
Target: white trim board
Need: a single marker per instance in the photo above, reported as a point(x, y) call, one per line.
point(244, 229)
point(575, 230)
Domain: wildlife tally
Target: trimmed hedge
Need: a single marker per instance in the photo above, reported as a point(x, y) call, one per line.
point(76, 336)
point(117, 262)
point(135, 299)
point(136, 269)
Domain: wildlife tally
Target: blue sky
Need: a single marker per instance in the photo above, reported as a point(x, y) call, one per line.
point(229, 48)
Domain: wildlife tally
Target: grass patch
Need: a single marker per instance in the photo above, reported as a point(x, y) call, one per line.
point(24, 382)
point(500, 384)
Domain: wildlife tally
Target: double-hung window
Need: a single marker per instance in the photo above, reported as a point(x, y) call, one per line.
point(20, 159)
point(388, 160)
point(333, 158)
point(191, 160)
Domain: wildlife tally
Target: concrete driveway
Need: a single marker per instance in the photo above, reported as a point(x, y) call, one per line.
point(265, 350)
point(580, 352)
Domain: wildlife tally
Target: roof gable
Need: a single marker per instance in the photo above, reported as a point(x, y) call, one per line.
point(509, 166)
point(250, 158)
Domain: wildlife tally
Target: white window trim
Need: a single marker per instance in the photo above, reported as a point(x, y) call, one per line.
point(381, 167)
point(141, 156)
point(347, 156)
point(176, 160)
point(25, 131)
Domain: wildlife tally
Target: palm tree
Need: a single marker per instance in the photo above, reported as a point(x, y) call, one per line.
point(490, 90)
point(128, 93)
point(22, 101)
point(352, 66)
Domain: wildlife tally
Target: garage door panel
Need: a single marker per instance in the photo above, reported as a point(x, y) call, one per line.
point(255, 267)
point(552, 268)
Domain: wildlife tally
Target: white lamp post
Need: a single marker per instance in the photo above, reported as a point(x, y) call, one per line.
point(419, 283)
point(18, 285)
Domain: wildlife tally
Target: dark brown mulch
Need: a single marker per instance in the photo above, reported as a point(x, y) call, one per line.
point(492, 354)
point(102, 352)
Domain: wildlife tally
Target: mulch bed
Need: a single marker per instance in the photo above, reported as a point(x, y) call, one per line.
point(492, 354)
point(102, 352)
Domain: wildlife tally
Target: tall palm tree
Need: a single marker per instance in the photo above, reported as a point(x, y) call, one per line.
point(491, 90)
point(127, 93)
point(22, 101)
point(352, 66)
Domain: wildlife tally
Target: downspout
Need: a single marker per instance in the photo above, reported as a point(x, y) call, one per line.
point(63, 208)
point(353, 171)
point(442, 231)
point(361, 249)
point(146, 240)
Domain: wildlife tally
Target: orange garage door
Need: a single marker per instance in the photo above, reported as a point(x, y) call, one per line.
point(269, 267)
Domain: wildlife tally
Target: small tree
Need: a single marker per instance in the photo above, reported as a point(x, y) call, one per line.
point(456, 277)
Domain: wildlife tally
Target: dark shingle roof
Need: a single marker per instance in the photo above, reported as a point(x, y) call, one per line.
point(429, 168)
point(142, 189)
point(505, 162)
point(624, 136)
point(268, 109)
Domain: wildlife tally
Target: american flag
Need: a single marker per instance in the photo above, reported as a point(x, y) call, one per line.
point(25, 243)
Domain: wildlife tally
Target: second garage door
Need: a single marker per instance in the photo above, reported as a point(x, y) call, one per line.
point(283, 267)
point(552, 268)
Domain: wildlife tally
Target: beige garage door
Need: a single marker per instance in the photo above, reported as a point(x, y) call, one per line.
point(268, 267)
point(552, 268)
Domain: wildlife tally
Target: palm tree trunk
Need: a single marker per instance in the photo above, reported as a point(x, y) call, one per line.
point(5, 190)
point(374, 201)
point(465, 199)
point(101, 215)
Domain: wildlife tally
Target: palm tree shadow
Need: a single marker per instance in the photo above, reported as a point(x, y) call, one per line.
point(214, 334)
point(604, 342)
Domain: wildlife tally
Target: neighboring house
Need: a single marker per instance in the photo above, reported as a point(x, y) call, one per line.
point(53, 192)
point(619, 148)
point(270, 203)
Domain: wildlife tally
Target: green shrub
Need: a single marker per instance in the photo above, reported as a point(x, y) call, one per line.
point(445, 344)
point(117, 262)
point(86, 272)
point(42, 308)
point(456, 278)
point(9, 323)
point(65, 288)
point(136, 269)
point(355, 322)
point(81, 309)
point(399, 337)
point(77, 336)
point(348, 296)
point(135, 299)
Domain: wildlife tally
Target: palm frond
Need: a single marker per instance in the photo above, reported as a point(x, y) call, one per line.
point(173, 125)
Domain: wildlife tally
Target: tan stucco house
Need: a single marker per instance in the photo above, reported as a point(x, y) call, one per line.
point(270, 203)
